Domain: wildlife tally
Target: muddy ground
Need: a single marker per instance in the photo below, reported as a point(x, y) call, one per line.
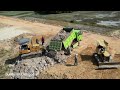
point(85, 68)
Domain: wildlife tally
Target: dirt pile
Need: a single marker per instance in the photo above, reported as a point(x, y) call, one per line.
point(89, 50)
point(31, 68)
point(8, 49)
point(61, 35)
point(87, 53)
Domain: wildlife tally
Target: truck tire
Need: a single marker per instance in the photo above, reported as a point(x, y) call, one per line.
point(52, 54)
point(68, 50)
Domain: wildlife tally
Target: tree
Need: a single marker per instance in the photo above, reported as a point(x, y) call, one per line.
point(52, 12)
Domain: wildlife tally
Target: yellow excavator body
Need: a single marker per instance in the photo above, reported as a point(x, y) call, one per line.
point(106, 54)
point(31, 46)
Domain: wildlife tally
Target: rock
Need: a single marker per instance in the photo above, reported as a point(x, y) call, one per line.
point(11, 65)
point(36, 73)
point(31, 68)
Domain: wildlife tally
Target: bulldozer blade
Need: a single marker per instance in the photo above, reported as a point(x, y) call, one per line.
point(103, 68)
point(31, 55)
point(109, 65)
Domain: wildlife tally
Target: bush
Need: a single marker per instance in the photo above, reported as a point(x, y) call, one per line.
point(51, 12)
point(3, 70)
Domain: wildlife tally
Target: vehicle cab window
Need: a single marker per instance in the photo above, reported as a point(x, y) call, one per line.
point(24, 47)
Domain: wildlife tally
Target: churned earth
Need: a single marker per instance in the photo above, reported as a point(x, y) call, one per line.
point(13, 27)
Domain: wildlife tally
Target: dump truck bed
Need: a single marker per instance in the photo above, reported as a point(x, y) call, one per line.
point(56, 42)
point(61, 36)
point(64, 38)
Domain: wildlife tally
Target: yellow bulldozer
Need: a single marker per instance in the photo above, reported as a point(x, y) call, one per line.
point(30, 47)
point(103, 57)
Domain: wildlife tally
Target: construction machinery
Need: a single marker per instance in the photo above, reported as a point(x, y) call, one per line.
point(66, 40)
point(30, 47)
point(103, 57)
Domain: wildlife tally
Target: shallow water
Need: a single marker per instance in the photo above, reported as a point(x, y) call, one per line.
point(109, 23)
point(104, 15)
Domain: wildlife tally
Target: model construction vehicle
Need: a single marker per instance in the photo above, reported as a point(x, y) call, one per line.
point(103, 57)
point(66, 39)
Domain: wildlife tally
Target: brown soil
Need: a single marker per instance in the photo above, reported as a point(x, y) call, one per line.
point(85, 68)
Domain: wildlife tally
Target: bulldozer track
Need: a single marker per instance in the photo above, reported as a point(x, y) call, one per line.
point(109, 65)
point(31, 55)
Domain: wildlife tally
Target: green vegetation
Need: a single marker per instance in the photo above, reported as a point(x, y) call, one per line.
point(3, 70)
point(3, 52)
point(90, 18)
point(52, 12)
point(69, 18)
point(14, 13)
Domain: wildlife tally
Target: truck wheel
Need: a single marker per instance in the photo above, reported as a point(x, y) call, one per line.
point(68, 50)
point(52, 54)
point(78, 43)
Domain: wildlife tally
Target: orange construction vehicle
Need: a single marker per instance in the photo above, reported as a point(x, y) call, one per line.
point(29, 46)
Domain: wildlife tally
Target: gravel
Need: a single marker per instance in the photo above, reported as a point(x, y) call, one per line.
point(32, 68)
point(61, 35)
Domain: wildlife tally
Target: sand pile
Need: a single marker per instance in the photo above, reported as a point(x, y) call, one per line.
point(87, 53)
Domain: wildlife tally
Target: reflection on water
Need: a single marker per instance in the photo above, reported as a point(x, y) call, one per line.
point(109, 23)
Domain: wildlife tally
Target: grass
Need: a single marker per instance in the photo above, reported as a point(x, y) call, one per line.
point(14, 13)
point(3, 70)
point(5, 55)
point(67, 19)
point(3, 52)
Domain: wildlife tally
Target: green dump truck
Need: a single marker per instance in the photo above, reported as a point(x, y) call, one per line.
point(65, 39)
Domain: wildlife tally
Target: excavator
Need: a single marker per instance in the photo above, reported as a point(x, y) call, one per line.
point(67, 37)
point(30, 47)
point(103, 57)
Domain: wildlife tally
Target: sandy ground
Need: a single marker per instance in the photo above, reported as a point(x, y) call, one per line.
point(36, 28)
point(85, 69)
point(13, 32)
